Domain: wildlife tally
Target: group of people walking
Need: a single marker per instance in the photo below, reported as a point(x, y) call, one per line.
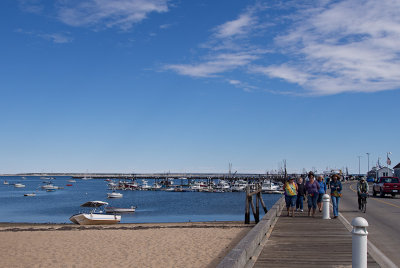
point(313, 190)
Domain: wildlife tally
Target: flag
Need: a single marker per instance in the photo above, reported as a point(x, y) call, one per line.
point(388, 161)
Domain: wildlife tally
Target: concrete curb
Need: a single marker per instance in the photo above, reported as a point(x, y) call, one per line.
point(242, 253)
point(382, 260)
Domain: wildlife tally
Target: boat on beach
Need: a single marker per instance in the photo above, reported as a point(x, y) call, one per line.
point(93, 217)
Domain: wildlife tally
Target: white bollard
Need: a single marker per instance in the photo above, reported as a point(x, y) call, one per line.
point(359, 242)
point(325, 207)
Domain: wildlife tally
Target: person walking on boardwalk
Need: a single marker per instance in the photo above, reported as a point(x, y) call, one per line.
point(362, 188)
point(301, 193)
point(336, 193)
point(312, 189)
point(322, 191)
point(290, 189)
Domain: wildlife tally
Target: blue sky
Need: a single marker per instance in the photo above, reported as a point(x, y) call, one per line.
point(191, 86)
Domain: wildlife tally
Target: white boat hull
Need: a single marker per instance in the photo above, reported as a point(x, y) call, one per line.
point(95, 219)
point(114, 195)
point(120, 210)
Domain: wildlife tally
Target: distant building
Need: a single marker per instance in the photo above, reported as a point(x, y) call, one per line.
point(397, 170)
point(385, 172)
point(372, 172)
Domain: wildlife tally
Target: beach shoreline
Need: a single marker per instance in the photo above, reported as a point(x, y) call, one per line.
point(189, 244)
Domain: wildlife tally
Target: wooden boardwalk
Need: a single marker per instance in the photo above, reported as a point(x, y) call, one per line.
point(304, 241)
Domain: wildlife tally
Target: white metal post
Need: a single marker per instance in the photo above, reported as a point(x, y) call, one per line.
point(325, 208)
point(359, 242)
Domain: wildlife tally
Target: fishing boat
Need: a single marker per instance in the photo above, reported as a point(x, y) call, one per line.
point(19, 185)
point(145, 185)
point(239, 186)
point(120, 210)
point(270, 187)
point(93, 217)
point(156, 187)
point(114, 195)
point(49, 186)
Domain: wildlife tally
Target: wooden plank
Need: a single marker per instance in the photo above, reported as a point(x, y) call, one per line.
point(304, 241)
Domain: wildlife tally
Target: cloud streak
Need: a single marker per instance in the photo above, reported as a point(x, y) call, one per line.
point(346, 46)
point(122, 14)
point(326, 48)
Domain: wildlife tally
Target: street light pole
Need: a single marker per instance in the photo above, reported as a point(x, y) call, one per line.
point(359, 172)
point(368, 163)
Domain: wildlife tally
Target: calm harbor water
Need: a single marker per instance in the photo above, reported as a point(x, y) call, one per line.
point(152, 206)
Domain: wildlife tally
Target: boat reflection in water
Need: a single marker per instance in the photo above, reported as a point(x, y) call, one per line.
point(95, 218)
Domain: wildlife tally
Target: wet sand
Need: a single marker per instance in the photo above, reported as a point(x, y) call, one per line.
point(122, 245)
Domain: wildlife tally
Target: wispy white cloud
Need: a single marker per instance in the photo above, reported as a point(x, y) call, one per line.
point(346, 46)
point(121, 14)
point(217, 64)
point(239, 26)
point(326, 47)
point(58, 38)
point(227, 50)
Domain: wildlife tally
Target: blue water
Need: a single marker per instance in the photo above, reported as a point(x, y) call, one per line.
point(152, 206)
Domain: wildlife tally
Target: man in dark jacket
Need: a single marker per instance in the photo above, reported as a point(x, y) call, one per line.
point(301, 193)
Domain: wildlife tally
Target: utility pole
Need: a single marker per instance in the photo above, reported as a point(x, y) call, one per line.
point(359, 172)
point(368, 163)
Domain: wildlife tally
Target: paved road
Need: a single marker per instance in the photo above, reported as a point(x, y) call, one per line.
point(383, 216)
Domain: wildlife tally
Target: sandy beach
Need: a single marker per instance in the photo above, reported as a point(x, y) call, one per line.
point(123, 245)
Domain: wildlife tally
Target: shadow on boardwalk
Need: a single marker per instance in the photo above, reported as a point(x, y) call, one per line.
point(305, 241)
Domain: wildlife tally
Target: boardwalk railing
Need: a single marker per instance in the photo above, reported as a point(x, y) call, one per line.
point(249, 202)
point(251, 244)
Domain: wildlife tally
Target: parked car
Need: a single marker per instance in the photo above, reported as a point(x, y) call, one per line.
point(386, 185)
point(370, 179)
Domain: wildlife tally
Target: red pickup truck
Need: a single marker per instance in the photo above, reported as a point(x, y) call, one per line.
point(386, 185)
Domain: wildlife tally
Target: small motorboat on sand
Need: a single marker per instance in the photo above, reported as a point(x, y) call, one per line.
point(94, 218)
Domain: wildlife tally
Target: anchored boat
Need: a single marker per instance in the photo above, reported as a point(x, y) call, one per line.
point(120, 210)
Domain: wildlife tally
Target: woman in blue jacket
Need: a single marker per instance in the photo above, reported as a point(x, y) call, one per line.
point(322, 191)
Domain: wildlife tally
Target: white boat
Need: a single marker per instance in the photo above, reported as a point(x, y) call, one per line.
point(156, 186)
point(239, 186)
point(120, 210)
point(94, 218)
point(223, 185)
point(49, 186)
point(71, 180)
point(6, 182)
point(19, 185)
point(31, 194)
point(170, 189)
point(114, 195)
point(270, 187)
point(145, 185)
